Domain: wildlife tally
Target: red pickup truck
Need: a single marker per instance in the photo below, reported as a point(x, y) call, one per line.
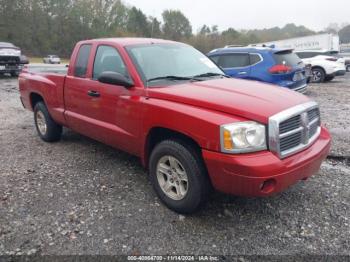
point(193, 127)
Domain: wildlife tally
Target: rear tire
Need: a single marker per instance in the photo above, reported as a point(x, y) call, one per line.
point(170, 162)
point(318, 75)
point(328, 78)
point(348, 68)
point(48, 130)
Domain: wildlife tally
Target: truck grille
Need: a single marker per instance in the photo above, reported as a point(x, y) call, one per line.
point(9, 60)
point(294, 129)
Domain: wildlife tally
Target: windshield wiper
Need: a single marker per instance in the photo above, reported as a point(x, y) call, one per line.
point(210, 74)
point(169, 78)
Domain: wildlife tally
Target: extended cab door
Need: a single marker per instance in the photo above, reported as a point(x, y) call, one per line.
point(81, 101)
point(105, 112)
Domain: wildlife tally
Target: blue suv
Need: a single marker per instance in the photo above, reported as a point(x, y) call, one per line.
point(267, 64)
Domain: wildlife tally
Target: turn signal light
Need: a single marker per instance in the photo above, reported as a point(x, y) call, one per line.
point(228, 144)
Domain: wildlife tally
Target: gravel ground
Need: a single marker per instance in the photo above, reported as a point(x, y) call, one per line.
point(82, 197)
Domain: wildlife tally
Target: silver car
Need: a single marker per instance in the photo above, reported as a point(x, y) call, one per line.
point(52, 59)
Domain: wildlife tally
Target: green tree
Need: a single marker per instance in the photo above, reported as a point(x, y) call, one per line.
point(205, 30)
point(154, 27)
point(176, 25)
point(137, 23)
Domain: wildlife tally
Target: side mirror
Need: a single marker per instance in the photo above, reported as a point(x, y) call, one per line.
point(114, 78)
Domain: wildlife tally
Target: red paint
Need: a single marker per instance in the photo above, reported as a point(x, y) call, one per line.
point(123, 118)
point(244, 175)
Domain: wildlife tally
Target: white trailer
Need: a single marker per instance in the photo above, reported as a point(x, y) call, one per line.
point(328, 42)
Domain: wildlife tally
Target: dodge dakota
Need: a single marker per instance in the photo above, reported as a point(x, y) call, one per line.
point(194, 128)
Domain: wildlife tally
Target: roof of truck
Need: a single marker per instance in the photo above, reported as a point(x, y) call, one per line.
point(125, 41)
point(5, 44)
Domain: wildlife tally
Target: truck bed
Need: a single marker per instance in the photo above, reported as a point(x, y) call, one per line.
point(61, 69)
point(48, 82)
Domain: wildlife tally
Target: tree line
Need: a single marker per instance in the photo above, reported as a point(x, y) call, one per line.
point(42, 27)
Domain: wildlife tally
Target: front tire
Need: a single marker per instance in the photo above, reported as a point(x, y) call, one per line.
point(328, 78)
point(348, 68)
point(47, 128)
point(318, 75)
point(178, 176)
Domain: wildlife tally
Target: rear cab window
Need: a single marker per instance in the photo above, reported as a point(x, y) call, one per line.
point(287, 58)
point(82, 61)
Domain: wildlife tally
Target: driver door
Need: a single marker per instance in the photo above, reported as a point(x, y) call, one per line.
point(118, 108)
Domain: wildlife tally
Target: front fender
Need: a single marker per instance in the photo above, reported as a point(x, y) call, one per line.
point(201, 125)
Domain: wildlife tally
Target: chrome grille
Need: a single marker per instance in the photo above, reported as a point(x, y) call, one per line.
point(290, 124)
point(294, 129)
point(290, 141)
point(313, 113)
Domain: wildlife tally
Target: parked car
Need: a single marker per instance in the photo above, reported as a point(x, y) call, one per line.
point(276, 66)
point(52, 59)
point(10, 59)
point(346, 57)
point(347, 64)
point(192, 126)
point(324, 65)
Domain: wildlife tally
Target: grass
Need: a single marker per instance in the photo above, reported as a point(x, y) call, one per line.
point(40, 60)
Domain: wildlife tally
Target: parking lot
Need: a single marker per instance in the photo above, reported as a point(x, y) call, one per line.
point(79, 196)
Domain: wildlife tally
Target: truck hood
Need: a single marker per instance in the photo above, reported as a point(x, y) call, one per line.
point(249, 99)
point(8, 51)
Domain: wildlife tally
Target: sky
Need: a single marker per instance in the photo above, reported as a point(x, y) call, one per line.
point(252, 14)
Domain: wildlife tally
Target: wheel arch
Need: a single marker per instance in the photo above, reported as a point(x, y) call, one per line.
point(158, 134)
point(35, 98)
point(319, 67)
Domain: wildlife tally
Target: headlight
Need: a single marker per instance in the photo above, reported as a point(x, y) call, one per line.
point(243, 137)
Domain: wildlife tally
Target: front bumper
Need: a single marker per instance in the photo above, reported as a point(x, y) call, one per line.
point(8, 68)
point(263, 173)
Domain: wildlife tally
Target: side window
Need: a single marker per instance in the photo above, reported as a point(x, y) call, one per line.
point(301, 55)
point(82, 61)
point(312, 54)
point(215, 59)
point(234, 60)
point(254, 59)
point(108, 59)
point(306, 54)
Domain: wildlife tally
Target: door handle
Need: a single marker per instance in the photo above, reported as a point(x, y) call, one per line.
point(242, 73)
point(93, 93)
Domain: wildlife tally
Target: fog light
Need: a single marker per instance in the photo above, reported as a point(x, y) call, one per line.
point(268, 186)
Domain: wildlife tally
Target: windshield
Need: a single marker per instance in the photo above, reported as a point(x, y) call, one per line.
point(156, 62)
